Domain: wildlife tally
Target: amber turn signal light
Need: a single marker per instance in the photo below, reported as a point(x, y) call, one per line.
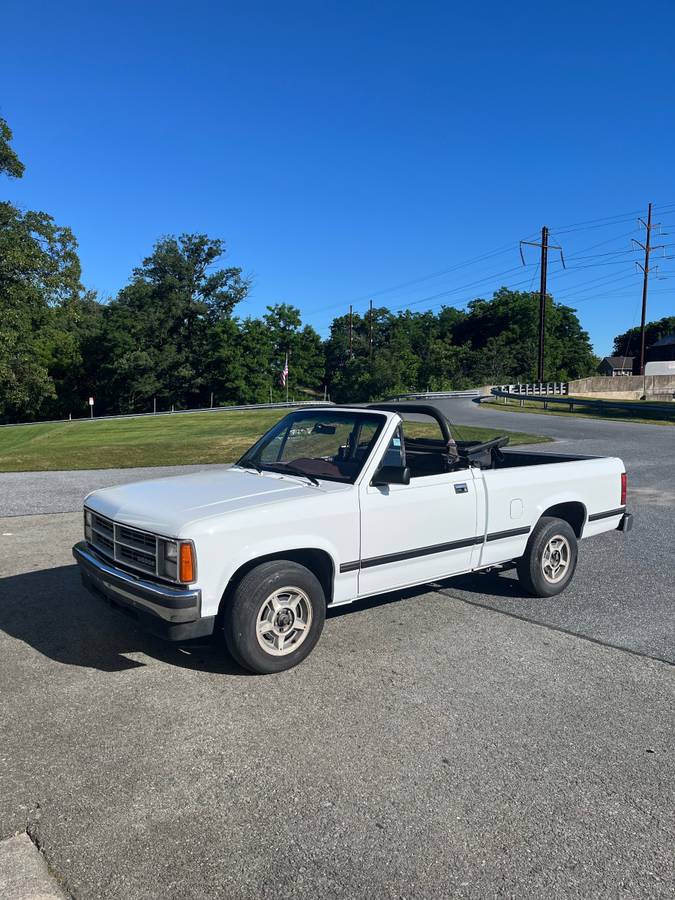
point(186, 563)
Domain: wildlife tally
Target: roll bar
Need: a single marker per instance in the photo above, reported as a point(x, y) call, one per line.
point(421, 409)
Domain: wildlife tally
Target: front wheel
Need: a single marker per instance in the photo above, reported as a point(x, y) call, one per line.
point(275, 617)
point(550, 558)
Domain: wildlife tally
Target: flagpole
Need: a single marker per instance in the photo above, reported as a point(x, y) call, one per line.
point(287, 376)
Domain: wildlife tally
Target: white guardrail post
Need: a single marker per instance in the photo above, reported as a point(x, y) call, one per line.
point(536, 388)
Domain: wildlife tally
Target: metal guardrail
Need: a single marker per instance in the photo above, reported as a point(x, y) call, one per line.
point(437, 395)
point(571, 402)
point(177, 412)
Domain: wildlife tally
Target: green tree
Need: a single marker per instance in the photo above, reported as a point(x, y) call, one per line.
point(503, 333)
point(68, 347)
point(628, 343)
point(306, 362)
point(392, 366)
point(241, 362)
point(158, 333)
point(494, 340)
point(10, 164)
point(39, 273)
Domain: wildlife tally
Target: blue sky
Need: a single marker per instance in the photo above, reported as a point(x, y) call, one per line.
point(343, 150)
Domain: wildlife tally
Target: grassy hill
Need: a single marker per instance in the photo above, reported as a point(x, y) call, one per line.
point(181, 439)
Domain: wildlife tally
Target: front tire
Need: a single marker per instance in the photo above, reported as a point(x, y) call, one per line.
point(550, 558)
point(275, 617)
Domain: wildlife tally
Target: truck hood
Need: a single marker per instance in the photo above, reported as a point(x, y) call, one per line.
point(168, 505)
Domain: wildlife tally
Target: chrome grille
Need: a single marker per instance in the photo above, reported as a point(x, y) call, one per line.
point(129, 546)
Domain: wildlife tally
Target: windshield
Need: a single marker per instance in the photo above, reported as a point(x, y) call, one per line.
point(328, 444)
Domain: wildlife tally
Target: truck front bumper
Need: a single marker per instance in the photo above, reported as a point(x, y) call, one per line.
point(172, 613)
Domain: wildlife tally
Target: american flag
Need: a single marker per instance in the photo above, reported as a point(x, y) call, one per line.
point(284, 374)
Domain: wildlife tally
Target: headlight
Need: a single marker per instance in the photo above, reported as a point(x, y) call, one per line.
point(87, 525)
point(177, 561)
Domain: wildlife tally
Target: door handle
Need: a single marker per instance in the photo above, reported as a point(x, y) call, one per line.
point(461, 488)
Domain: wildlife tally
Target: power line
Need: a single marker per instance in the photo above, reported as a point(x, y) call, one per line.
point(599, 255)
point(589, 227)
point(601, 281)
point(457, 289)
point(607, 221)
point(438, 274)
point(604, 243)
point(604, 221)
point(616, 262)
point(467, 298)
point(608, 258)
point(610, 220)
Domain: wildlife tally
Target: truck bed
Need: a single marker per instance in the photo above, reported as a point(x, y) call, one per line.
point(512, 458)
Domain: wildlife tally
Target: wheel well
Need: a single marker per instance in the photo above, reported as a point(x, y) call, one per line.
point(317, 561)
point(573, 512)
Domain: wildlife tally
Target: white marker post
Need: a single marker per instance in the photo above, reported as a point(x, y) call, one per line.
point(91, 407)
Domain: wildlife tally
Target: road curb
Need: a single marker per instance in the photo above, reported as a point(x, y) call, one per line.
point(24, 874)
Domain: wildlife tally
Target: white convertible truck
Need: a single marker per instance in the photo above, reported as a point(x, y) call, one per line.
point(331, 505)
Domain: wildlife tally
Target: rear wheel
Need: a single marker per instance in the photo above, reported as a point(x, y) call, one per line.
point(550, 558)
point(275, 617)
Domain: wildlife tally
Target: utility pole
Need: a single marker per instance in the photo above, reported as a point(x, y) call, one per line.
point(545, 247)
point(542, 299)
point(370, 332)
point(647, 247)
point(350, 331)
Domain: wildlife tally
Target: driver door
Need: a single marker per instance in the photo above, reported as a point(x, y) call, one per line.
point(416, 532)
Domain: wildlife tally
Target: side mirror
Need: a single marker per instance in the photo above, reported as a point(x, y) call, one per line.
point(392, 475)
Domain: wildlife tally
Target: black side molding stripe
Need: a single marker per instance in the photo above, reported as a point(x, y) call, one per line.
point(428, 551)
point(514, 532)
point(606, 515)
point(421, 551)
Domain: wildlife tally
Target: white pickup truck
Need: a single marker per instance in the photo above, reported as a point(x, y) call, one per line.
point(331, 505)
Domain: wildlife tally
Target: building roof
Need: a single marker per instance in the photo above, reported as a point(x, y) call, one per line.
point(619, 362)
point(666, 341)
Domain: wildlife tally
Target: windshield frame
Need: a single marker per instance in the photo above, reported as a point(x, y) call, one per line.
point(284, 424)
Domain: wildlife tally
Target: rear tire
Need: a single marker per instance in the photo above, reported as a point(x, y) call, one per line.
point(275, 617)
point(550, 558)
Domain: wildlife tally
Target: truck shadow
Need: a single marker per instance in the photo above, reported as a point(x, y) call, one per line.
point(50, 611)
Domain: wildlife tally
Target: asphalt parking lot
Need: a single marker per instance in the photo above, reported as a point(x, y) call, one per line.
point(460, 740)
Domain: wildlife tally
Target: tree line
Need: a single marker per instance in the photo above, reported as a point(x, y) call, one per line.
point(174, 334)
point(628, 343)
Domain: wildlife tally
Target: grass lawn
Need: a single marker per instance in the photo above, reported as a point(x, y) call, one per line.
point(642, 413)
point(218, 437)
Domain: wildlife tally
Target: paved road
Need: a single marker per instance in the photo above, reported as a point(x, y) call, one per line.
point(446, 744)
point(426, 749)
point(624, 589)
point(33, 493)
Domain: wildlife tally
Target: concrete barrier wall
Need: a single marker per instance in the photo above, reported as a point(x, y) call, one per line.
point(625, 387)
